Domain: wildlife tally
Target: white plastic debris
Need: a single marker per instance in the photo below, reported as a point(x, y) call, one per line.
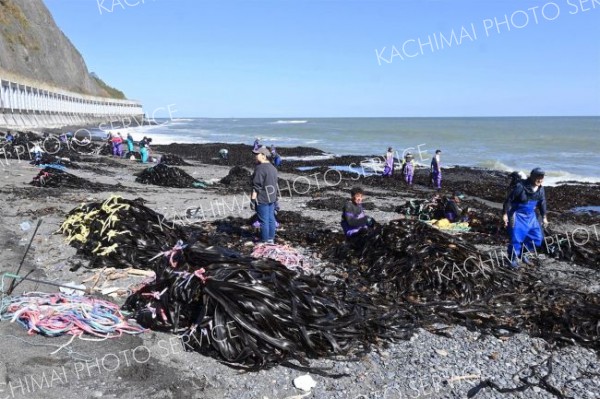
point(25, 226)
point(305, 383)
point(71, 291)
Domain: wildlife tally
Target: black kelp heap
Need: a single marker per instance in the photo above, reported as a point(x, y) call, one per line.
point(54, 177)
point(173, 160)
point(119, 232)
point(252, 313)
point(446, 280)
point(168, 176)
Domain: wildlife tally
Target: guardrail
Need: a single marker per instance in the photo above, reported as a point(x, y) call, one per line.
point(25, 106)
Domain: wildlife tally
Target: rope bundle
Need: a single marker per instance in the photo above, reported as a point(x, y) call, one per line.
point(56, 314)
point(284, 254)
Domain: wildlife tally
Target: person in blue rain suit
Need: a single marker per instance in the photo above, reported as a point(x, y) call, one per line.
point(524, 229)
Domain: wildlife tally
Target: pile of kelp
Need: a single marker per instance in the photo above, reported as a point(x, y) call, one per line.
point(173, 160)
point(55, 177)
point(168, 176)
point(443, 279)
point(255, 313)
point(238, 179)
point(581, 245)
point(119, 232)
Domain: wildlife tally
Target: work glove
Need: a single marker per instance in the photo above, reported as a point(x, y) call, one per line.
point(253, 204)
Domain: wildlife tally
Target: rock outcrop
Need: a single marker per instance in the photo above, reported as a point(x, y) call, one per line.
point(32, 47)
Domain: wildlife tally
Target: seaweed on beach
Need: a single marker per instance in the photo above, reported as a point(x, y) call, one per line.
point(238, 178)
point(168, 176)
point(53, 177)
point(444, 279)
point(252, 313)
point(173, 160)
point(49, 160)
point(119, 232)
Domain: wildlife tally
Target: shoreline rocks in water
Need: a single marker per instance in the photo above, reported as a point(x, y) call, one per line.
point(450, 357)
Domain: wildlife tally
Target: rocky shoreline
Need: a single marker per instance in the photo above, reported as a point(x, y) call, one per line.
point(442, 359)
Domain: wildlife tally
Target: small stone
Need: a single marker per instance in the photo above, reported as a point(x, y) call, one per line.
point(305, 382)
point(442, 352)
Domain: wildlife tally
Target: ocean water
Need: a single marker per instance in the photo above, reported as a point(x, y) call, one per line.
point(568, 148)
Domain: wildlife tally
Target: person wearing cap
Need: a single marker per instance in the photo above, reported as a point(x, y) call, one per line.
point(408, 168)
point(436, 170)
point(353, 215)
point(265, 192)
point(388, 169)
point(520, 217)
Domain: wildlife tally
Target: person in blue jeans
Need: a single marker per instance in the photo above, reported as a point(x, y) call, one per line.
point(520, 217)
point(265, 192)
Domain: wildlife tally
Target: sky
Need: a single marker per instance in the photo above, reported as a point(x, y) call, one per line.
point(343, 58)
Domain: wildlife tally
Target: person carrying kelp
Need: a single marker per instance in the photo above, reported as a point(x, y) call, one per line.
point(353, 215)
point(524, 228)
point(388, 169)
point(408, 168)
point(265, 191)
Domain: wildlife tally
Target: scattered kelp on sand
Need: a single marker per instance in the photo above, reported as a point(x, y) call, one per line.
point(251, 313)
point(168, 176)
point(447, 280)
point(410, 258)
point(568, 196)
point(581, 245)
point(53, 177)
point(335, 204)
point(119, 232)
point(52, 160)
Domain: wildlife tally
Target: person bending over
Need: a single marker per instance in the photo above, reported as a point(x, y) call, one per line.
point(452, 209)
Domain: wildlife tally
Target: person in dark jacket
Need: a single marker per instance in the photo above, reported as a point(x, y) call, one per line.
point(353, 216)
point(436, 170)
point(520, 217)
point(265, 192)
point(453, 210)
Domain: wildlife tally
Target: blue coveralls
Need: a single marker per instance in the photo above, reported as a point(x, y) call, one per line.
point(524, 227)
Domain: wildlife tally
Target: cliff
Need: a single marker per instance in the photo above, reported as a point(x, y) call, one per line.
point(32, 47)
